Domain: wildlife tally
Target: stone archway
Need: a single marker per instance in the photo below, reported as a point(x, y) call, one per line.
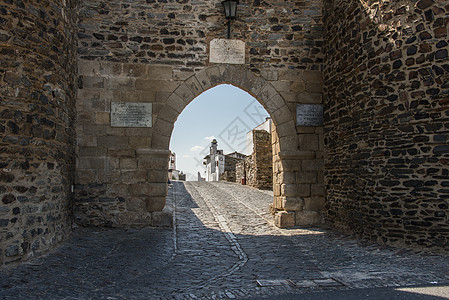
point(121, 174)
point(293, 201)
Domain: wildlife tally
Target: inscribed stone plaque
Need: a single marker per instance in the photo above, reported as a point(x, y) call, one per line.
point(125, 114)
point(225, 51)
point(309, 115)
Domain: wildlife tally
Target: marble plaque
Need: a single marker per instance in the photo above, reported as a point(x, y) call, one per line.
point(309, 115)
point(224, 51)
point(127, 114)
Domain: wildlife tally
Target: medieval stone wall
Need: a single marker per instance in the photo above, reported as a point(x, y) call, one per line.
point(157, 52)
point(37, 87)
point(387, 120)
point(259, 165)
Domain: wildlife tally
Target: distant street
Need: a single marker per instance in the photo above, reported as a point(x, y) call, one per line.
point(224, 245)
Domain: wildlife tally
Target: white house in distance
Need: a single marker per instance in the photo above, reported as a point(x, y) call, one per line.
point(218, 165)
point(214, 162)
point(173, 173)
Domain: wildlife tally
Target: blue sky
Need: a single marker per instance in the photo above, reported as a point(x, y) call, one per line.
point(225, 113)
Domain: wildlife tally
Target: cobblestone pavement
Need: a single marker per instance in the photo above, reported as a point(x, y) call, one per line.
point(224, 245)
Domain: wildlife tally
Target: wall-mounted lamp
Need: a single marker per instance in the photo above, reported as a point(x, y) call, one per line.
point(230, 9)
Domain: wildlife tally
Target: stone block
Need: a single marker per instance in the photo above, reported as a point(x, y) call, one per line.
point(169, 115)
point(295, 190)
point(92, 152)
point(287, 129)
point(313, 76)
point(85, 176)
point(293, 204)
point(313, 165)
point(120, 83)
point(141, 132)
point(135, 70)
point(156, 85)
point(136, 96)
point(288, 143)
point(284, 219)
point(277, 203)
point(85, 117)
point(155, 203)
point(276, 189)
point(109, 175)
point(153, 163)
point(159, 189)
point(114, 131)
point(291, 75)
point(309, 98)
point(298, 87)
point(128, 163)
point(155, 176)
point(184, 92)
point(133, 176)
point(182, 75)
point(176, 103)
point(287, 177)
point(94, 130)
point(140, 142)
point(305, 129)
point(136, 204)
point(314, 87)
point(102, 118)
point(164, 127)
point(160, 142)
point(88, 67)
point(110, 68)
point(87, 163)
point(281, 86)
point(267, 93)
point(86, 141)
point(270, 75)
point(308, 142)
point(306, 177)
point(140, 189)
point(129, 153)
point(315, 203)
point(306, 218)
point(160, 72)
point(203, 80)
point(318, 190)
point(282, 115)
point(291, 165)
point(113, 141)
point(288, 97)
point(194, 86)
point(274, 104)
point(93, 82)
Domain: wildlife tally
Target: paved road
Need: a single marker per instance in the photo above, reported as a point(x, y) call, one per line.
point(224, 245)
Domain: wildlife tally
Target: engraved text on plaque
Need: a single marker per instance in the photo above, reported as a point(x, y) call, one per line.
point(125, 114)
point(309, 115)
point(225, 51)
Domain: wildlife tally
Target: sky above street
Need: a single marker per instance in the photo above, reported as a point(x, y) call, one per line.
point(225, 113)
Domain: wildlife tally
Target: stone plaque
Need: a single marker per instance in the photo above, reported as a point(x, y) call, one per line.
point(225, 51)
point(309, 115)
point(126, 114)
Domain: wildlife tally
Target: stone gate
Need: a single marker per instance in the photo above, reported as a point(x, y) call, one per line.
point(377, 168)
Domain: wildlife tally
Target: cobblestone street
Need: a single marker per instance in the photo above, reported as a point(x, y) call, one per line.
point(223, 245)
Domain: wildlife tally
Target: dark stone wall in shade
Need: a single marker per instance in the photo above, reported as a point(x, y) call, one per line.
point(37, 95)
point(387, 120)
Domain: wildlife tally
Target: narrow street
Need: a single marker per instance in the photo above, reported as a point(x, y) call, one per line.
point(223, 245)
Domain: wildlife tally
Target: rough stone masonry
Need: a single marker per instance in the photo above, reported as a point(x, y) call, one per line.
point(378, 167)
